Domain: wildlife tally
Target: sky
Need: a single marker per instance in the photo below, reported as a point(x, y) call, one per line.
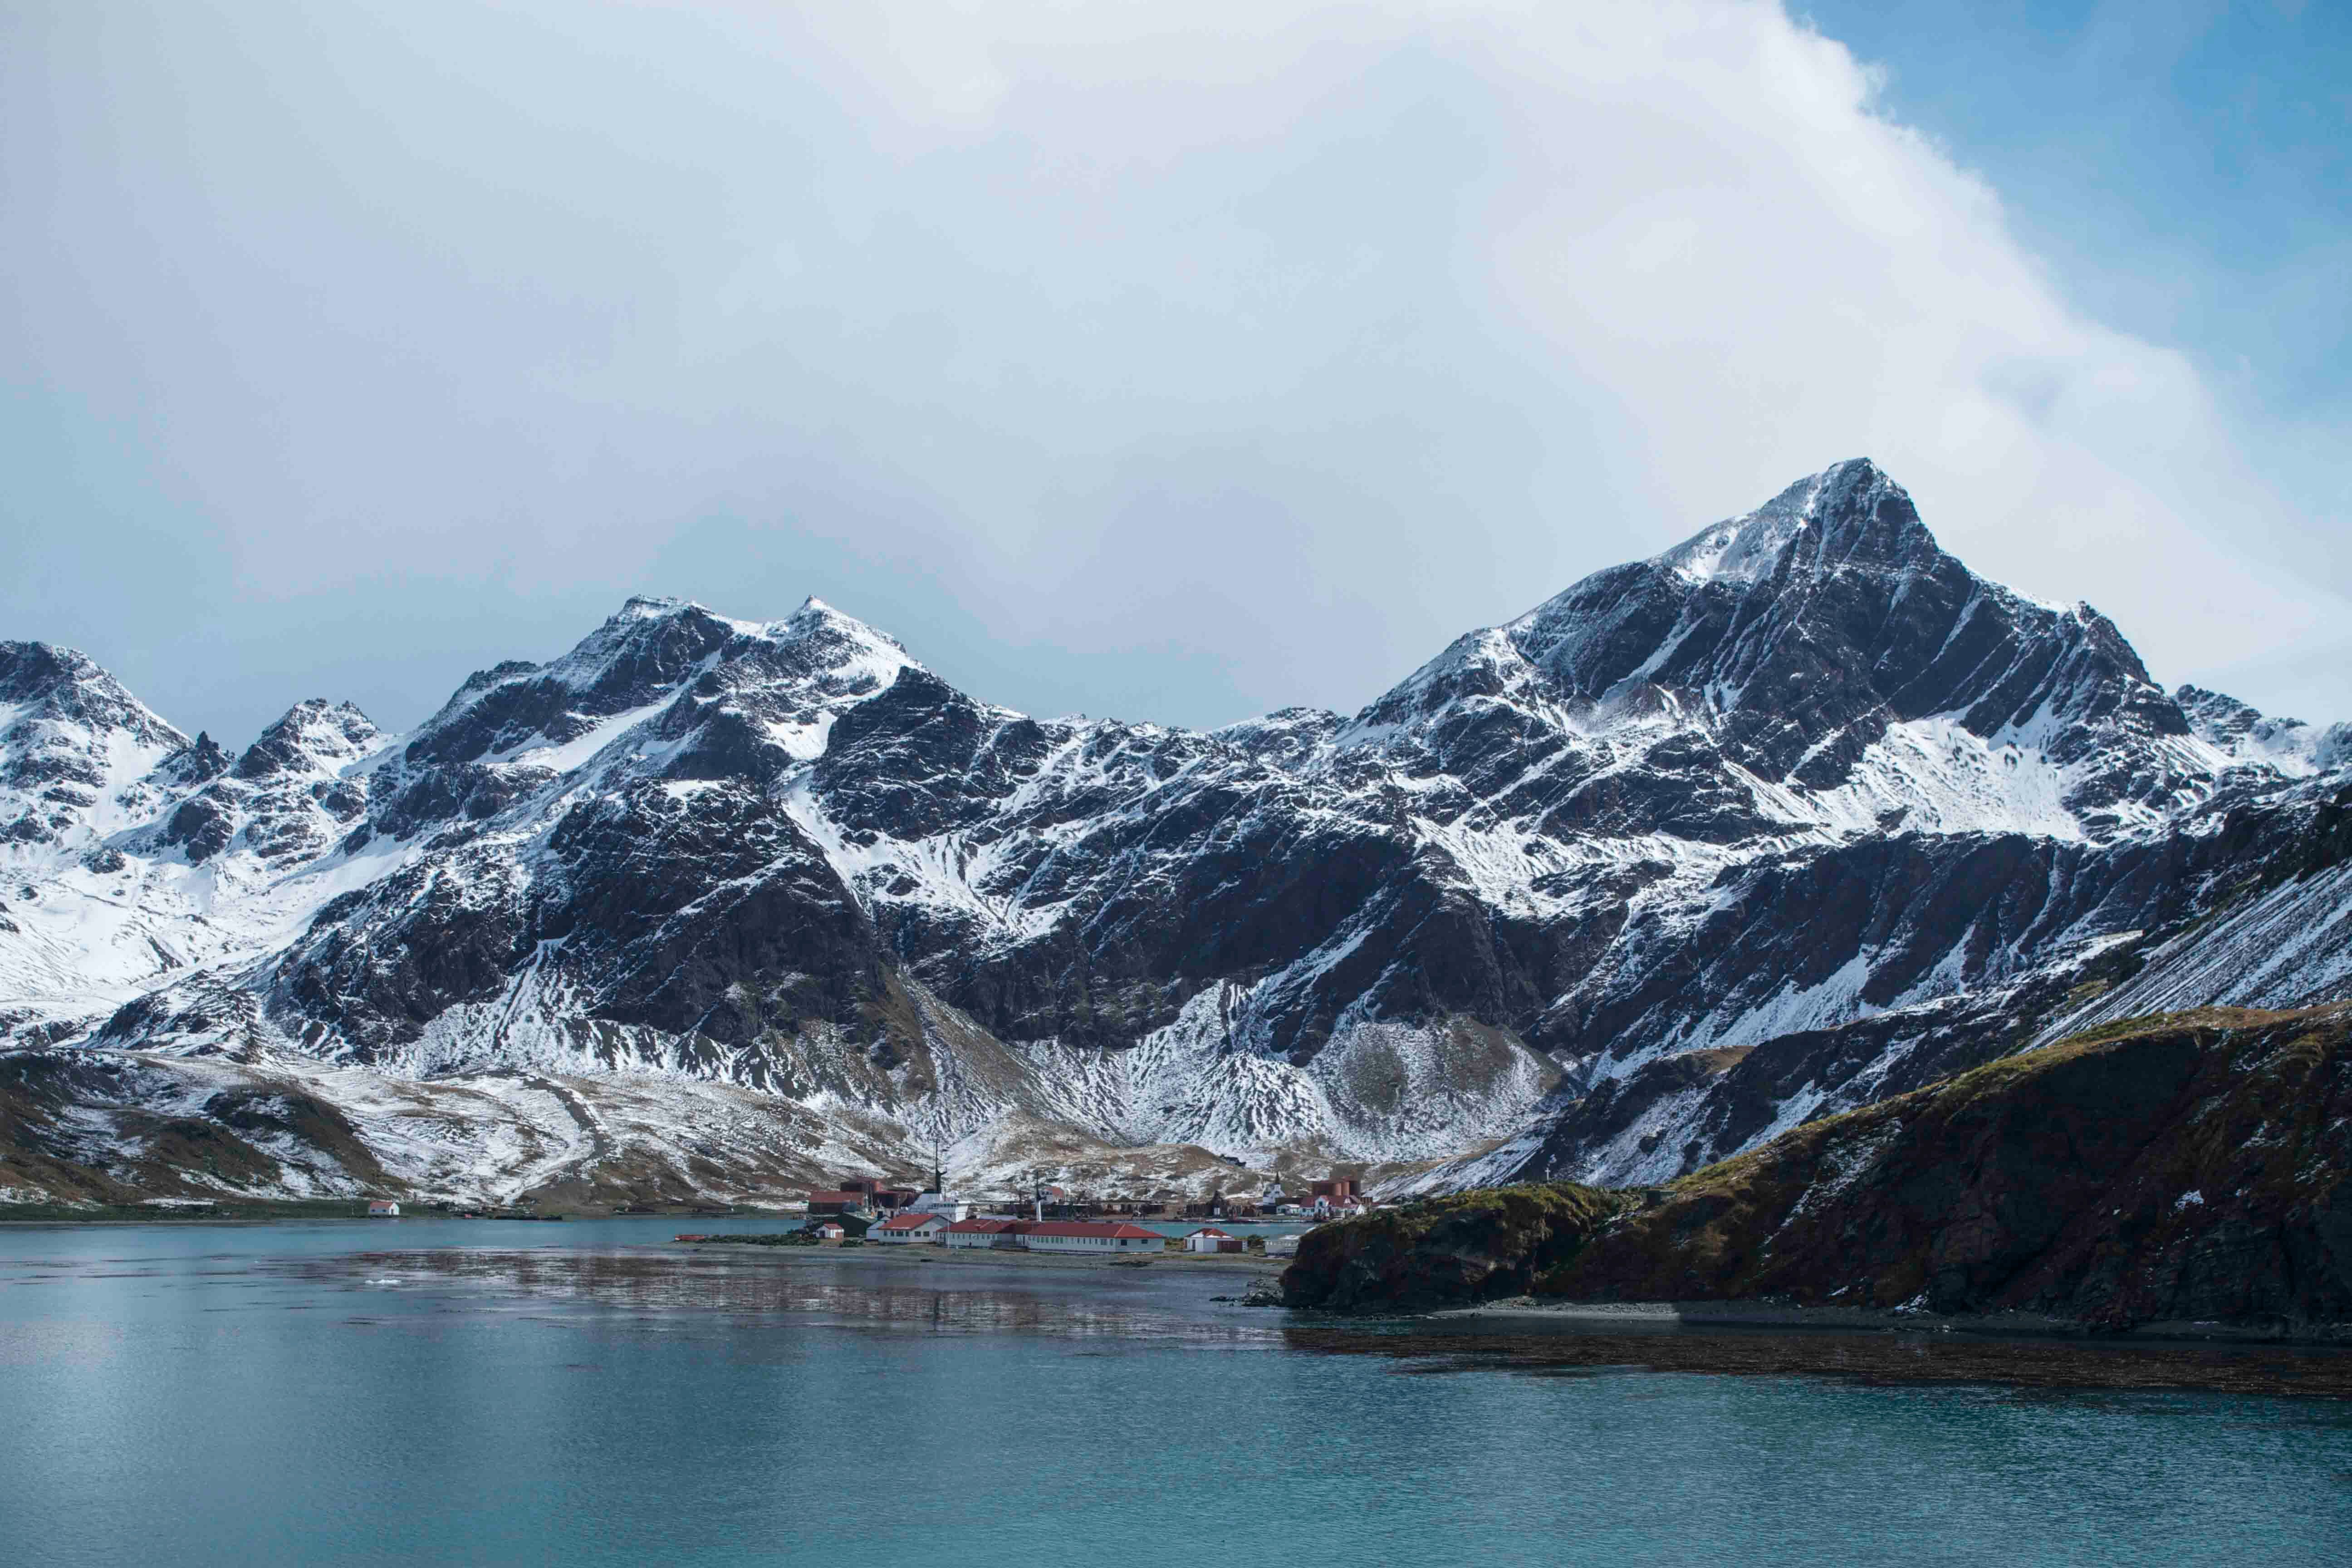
point(1166, 363)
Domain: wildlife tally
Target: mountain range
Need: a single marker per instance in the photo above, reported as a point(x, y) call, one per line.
point(1795, 817)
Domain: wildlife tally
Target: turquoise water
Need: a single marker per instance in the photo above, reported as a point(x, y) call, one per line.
point(447, 1392)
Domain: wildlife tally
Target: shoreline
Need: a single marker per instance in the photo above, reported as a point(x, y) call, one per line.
point(1239, 1263)
point(1861, 1319)
point(2022, 1365)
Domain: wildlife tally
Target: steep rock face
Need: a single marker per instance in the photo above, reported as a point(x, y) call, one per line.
point(1790, 817)
point(1919, 957)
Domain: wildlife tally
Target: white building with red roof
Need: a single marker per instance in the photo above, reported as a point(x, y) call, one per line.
point(902, 1229)
point(1090, 1236)
point(1209, 1238)
point(983, 1231)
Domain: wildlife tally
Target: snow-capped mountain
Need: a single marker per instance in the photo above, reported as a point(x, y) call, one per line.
point(73, 745)
point(1791, 817)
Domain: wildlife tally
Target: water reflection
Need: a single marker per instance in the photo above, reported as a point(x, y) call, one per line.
point(358, 1398)
point(896, 1295)
point(851, 1293)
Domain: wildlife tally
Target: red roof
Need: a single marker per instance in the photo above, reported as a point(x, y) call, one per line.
point(847, 1196)
point(1086, 1227)
point(908, 1221)
point(983, 1226)
point(1211, 1230)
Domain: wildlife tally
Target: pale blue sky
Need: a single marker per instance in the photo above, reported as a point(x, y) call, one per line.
point(2184, 168)
point(2187, 168)
point(1170, 369)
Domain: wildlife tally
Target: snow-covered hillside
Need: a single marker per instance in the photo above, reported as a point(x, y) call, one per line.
point(1771, 823)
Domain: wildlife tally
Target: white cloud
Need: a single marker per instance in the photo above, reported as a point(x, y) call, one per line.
point(1172, 361)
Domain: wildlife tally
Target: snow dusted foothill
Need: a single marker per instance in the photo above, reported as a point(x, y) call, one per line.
point(1796, 815)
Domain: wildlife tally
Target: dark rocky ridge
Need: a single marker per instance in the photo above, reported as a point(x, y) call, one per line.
point(2176, 1171)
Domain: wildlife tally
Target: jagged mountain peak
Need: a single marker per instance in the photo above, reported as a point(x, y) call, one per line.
point(28, 666)
point(814, 618)
point(1850, 511)
point(642, 658)
point(72, 741)
point(2226, 722)
point(2245, 733)
point(200, 759)
point(1822, 642)
point(848, 646)
point(314, 736)
point(44, 682)
point(660, 635)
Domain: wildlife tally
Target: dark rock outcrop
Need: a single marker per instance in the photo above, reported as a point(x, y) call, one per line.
point(1450, 1251)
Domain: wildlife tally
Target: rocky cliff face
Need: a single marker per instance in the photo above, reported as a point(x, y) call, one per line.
point(1787, 818)
point(2183, 1170)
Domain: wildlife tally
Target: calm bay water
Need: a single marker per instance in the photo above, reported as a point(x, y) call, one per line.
point(447, 1392)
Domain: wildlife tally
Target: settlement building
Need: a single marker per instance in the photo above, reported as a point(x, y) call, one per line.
point(1209, 1238)
point(847, 1200)
point(984, 1232)
point(1052, 1235)
point(1082, 1236)
point(382, 1208)
point(909, 1228)
point(866, 1193)
point(1336, 1197)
